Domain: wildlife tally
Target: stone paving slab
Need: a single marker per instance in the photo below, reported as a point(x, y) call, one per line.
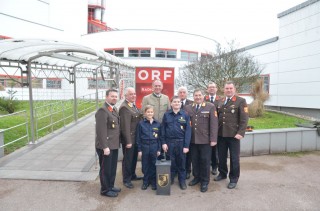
point(68, 154)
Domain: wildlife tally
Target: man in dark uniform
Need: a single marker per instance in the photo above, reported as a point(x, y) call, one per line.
point(204, 123)
point(183, 94)
point(107, 143)
point(212, 97)
point(175, 139)
point(233, 120)
point(129, 119)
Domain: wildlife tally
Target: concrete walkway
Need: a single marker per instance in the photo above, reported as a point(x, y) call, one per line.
point(68, 154)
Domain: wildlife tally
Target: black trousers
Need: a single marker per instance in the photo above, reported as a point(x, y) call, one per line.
point(233, 145)
point(201, 157)
point(214, 157)
point(178, 159)
point(108, 169)
point(129, 162)
point(188, 161)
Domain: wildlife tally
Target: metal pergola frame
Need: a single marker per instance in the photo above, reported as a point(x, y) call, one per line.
point(31, 54)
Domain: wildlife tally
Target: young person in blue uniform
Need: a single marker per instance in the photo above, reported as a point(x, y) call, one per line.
point(175, 139)
point(148, 141)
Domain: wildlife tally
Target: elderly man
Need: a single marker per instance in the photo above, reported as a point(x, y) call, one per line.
point(183, 94)
point(159, 101)
point(129, 119)
point(212, 97)
point(204, 123)
point(107, 143)
point(233, 120)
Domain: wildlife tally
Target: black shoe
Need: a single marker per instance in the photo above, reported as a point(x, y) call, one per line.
point(232, 185)
point(183, 185)
point(219, 177)
point(109, 193)
point(135, 178)
point(188, 176)
point(194, 182)
point(172, 181)
point(153, 187)
point(144, 186)
point(214, 171)
point(204, 188)
point(117, 190)
point(128, 185)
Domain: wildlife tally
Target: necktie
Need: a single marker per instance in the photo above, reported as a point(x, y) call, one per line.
point(198, 106)
point(211, 99)
point(227, 100)
point(182, 104)
point(134, 105)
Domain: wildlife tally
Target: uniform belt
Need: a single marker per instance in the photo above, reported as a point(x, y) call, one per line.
point(148, 141)
point(175, 139)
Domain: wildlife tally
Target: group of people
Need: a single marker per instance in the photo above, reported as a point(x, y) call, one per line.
point(196, 135)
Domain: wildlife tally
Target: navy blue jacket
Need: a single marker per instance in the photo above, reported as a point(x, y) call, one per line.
point(176, 126)
point(147, 133)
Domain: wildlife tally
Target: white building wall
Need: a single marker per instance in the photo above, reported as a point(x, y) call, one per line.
point(293, 61)
point(51, 19)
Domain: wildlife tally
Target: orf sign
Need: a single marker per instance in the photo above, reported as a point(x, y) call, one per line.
point(146, 75)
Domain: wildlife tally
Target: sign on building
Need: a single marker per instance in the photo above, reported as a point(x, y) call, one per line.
point(146, 75)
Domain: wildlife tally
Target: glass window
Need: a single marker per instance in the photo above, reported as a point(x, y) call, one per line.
point(145, 53)
point(133, 53)
point(166, 53)
point(101, 84)
point(118, 52)
point(160, 53)
point(190, 56)
point(53, 83)
point(171, 54)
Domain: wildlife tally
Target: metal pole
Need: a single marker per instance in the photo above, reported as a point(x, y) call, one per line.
point(97, 97)
point(75, 107)
point(29, 79)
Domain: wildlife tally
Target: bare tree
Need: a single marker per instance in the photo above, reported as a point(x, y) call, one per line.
point(226, 64)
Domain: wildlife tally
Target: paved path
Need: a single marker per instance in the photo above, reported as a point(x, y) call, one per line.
point(270, 182)
point(68, 154)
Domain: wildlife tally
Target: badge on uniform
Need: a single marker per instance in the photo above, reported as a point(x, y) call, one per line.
point(155, 134)
point(182, 120)
point(204, 112)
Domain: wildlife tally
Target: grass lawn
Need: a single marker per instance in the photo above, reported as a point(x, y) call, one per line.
point(50, 118)
point(274, 120)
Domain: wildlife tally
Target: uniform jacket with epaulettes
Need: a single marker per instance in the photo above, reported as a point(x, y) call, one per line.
point(107, 128)
point(204, 123)
point(233, 117)
point(130, 116)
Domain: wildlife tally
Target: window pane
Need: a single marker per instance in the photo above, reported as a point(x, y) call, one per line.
point(110, 52)
point(118, 53)
point(53, 84)
point(184, 55)
point(133, 53)
point(160, 53)
point(145, 53)
point(171, 54)
point(193, 56)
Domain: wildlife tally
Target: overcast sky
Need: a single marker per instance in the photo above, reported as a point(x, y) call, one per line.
point(246, 21)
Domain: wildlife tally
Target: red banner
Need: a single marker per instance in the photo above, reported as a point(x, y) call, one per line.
point(146, 75)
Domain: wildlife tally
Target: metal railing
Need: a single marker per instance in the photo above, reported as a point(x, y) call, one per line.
point(60, 113)
point(19, 135)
